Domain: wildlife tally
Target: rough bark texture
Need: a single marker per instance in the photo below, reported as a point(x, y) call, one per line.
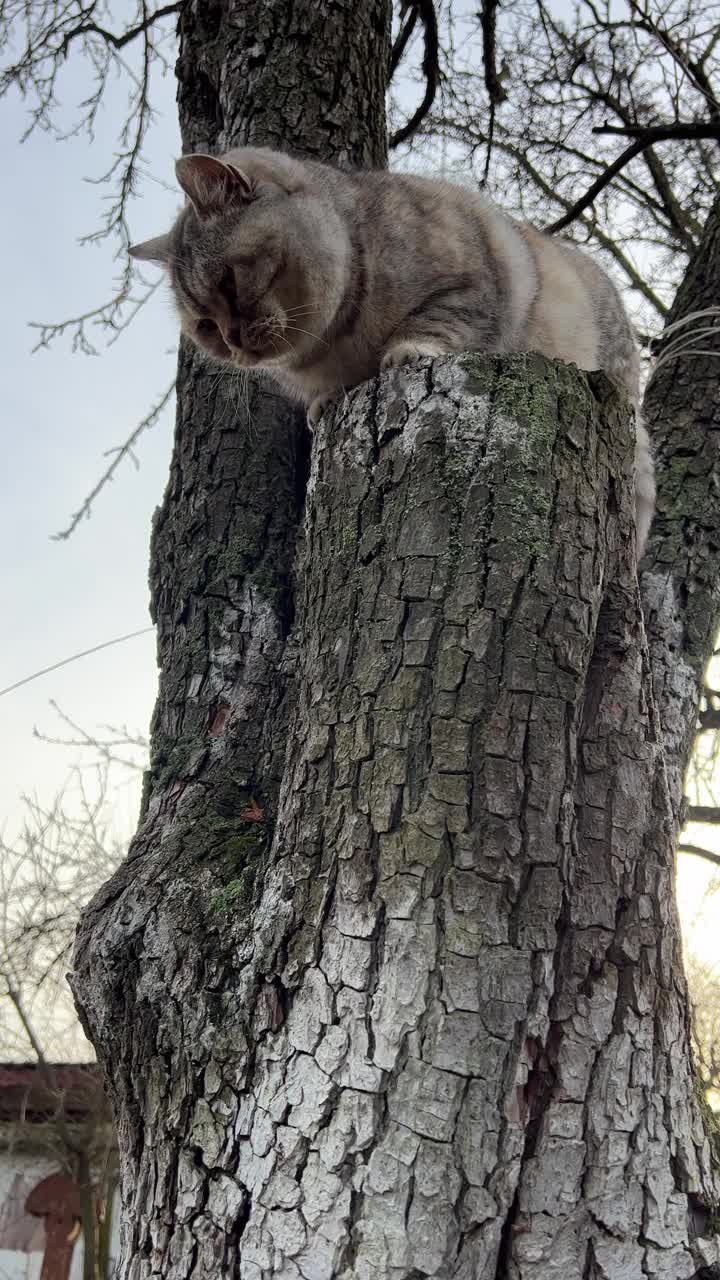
point(436, 1028)
point(311, 77)
point(681, 572)
point(305, 76)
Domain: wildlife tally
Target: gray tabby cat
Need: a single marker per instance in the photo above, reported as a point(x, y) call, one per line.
point(322, 278)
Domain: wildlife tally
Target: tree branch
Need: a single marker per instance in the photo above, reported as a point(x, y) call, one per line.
point(493, 79)
point(645, 138)
point(118, 42)
point(692, 68)
point(691, 130)
point(685, 225)
point(698, 852)
point(125, 450)
point(431, 70)
point(710, 718)
point(401, 43)
point(703, 813)
point(497, 93)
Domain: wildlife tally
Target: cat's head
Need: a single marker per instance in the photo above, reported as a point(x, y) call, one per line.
point(257, 260)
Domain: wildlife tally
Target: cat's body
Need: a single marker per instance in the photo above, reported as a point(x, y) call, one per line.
point(321, 278)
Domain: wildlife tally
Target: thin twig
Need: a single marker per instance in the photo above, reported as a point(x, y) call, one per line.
point(646, 138)
point(703, 813)
point(699, 852)
point(497, 94)
point(430, 68)
point(121, 452)
point(401, 43)
point(84, 653)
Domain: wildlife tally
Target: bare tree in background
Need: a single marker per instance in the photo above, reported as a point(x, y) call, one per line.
point(39, 43)
point(64, 852)
point(62, 855)
point(59, 1113)
point(390, 984)
point(705, 986)
point(618, 101)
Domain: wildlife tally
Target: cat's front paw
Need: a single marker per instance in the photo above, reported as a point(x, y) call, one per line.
point(317, 409)
point(405, 352)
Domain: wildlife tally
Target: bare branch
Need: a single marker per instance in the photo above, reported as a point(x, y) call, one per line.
point(430, 69)
point(400, 45)
point(551, 194)
point(698, 852)
point(693, 68)
point(646, 138)
point(125, 450)
point(703, 813)
point(104, 748)
point(494, 79)
point(42, 37)
point(15, 999)
point(108, 317)
point(118, 42)
point(691, 130)
point(497, 94)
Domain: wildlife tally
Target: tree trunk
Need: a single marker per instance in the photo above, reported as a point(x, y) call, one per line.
point(437, 1026)
point(681, 578)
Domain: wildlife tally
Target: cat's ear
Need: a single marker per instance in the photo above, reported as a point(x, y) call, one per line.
point(157, 250)
point(211, 184)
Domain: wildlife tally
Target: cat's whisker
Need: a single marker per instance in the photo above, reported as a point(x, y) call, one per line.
point(237, 396)
point(279, 334)
point(239, 389)
point(294, 328)
point(215, 377)
point(231, 398)
point(225, 383)
point(294, 312)
point(245, 382)
point(289, 345)
point(233, 391)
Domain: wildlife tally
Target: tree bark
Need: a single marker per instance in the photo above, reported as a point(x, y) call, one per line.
point(310, 77)
point(681, 572)
point(437, 1026)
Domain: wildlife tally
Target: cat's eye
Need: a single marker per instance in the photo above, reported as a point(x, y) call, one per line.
point(206, 326)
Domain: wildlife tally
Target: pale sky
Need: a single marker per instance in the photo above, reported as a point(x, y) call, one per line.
point(60, 413)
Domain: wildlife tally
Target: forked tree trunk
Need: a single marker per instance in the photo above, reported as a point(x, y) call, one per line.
point(390, 985)
point(437, 1027)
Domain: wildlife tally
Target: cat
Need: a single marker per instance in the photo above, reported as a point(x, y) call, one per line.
point(322, 278)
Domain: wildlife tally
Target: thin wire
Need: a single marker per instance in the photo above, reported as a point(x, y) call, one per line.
point(85, 653)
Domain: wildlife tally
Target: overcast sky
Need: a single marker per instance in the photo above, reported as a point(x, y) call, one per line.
point(59, 413)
